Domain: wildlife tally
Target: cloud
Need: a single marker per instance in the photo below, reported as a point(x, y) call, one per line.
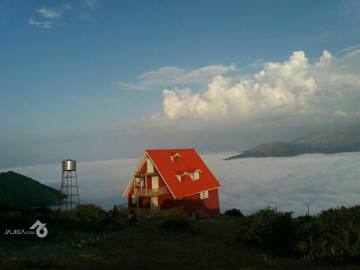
point(340, 114)
point(85, 16)
point(320, 181)
point(167, 76)
point(89, 3)
point(43, 24)
point(49, 13)
point(259, 63)
point(47, 17)
point(66, 6)
point(294, 88)
point(351, 48)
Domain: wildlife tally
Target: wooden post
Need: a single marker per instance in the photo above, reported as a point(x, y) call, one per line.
point(134, 184)
point(137, 205)
point(146, 184)
point(141, 186)
point(150, 208)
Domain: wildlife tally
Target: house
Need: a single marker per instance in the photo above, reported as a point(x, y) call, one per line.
point(165, 179)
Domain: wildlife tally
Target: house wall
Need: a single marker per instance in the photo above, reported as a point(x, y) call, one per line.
point(193, 203)
point(167, 201)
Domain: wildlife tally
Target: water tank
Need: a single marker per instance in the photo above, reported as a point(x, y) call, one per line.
point(69, 165)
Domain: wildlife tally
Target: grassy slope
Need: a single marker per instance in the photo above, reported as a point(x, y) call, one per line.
point(211, 246)
point(19, 189)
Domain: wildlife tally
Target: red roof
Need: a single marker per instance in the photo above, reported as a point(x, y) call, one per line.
point(189, 161)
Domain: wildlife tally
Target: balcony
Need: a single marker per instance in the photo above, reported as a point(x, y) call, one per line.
point(150, 192)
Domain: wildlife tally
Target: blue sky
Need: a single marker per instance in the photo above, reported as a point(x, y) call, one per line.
point(95, 79)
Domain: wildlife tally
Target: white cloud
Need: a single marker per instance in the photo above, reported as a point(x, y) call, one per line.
point(89, 3)
point(351, 48)
point(43, 24)
point(318, 180)
point(66, 6)
point(179, 103)
point(49, 13)
point(48, 17)
point(292, 88)
point(85, 16)
point(340, 114)
point(259, 63)
point(169, 76)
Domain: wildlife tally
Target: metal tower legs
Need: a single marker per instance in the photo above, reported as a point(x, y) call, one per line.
point(69, 192)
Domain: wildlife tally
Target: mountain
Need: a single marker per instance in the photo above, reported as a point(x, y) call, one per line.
point(328, 142)
point(19, 189)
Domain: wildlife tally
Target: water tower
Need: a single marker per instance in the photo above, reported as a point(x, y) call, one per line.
point(69, 192)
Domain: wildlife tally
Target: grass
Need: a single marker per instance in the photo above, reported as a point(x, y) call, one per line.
point(210, 245)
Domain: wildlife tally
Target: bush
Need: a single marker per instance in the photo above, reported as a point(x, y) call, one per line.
point(334, 234)
point(87, 217)
point(234, 213)
point(267, 229)
point(89, 213)
point(176, 222)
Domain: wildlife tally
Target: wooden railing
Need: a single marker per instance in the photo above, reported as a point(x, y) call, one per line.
point(149, 212)
point(156, 212)
point(150, 192)
point(165, 213)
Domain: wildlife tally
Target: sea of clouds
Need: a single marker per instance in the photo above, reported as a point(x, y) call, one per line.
point(319, 181)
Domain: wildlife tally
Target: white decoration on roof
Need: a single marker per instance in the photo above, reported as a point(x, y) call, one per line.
point(175, 156)
point(181, 176)
point(195, 174)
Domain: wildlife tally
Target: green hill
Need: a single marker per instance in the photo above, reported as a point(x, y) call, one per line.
point(19, 189)
point(327, 142)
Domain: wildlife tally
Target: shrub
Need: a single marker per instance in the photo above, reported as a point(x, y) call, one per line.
point(334, 234)
point(176, 222)
point(88, 213)
point(234, 213)
point(86, 218)
point(267, 229)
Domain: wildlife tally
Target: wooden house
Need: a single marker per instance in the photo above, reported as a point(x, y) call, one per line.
point(166, 179)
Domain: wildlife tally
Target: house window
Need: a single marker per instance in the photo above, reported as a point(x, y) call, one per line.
point(181, 176)
point(204, 195)
point(150, 166)
point(175, 156)
point(194, 174)
point(137, 182)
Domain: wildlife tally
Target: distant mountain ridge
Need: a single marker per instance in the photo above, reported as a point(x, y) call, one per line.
point(328, 142)
point(19, 189)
